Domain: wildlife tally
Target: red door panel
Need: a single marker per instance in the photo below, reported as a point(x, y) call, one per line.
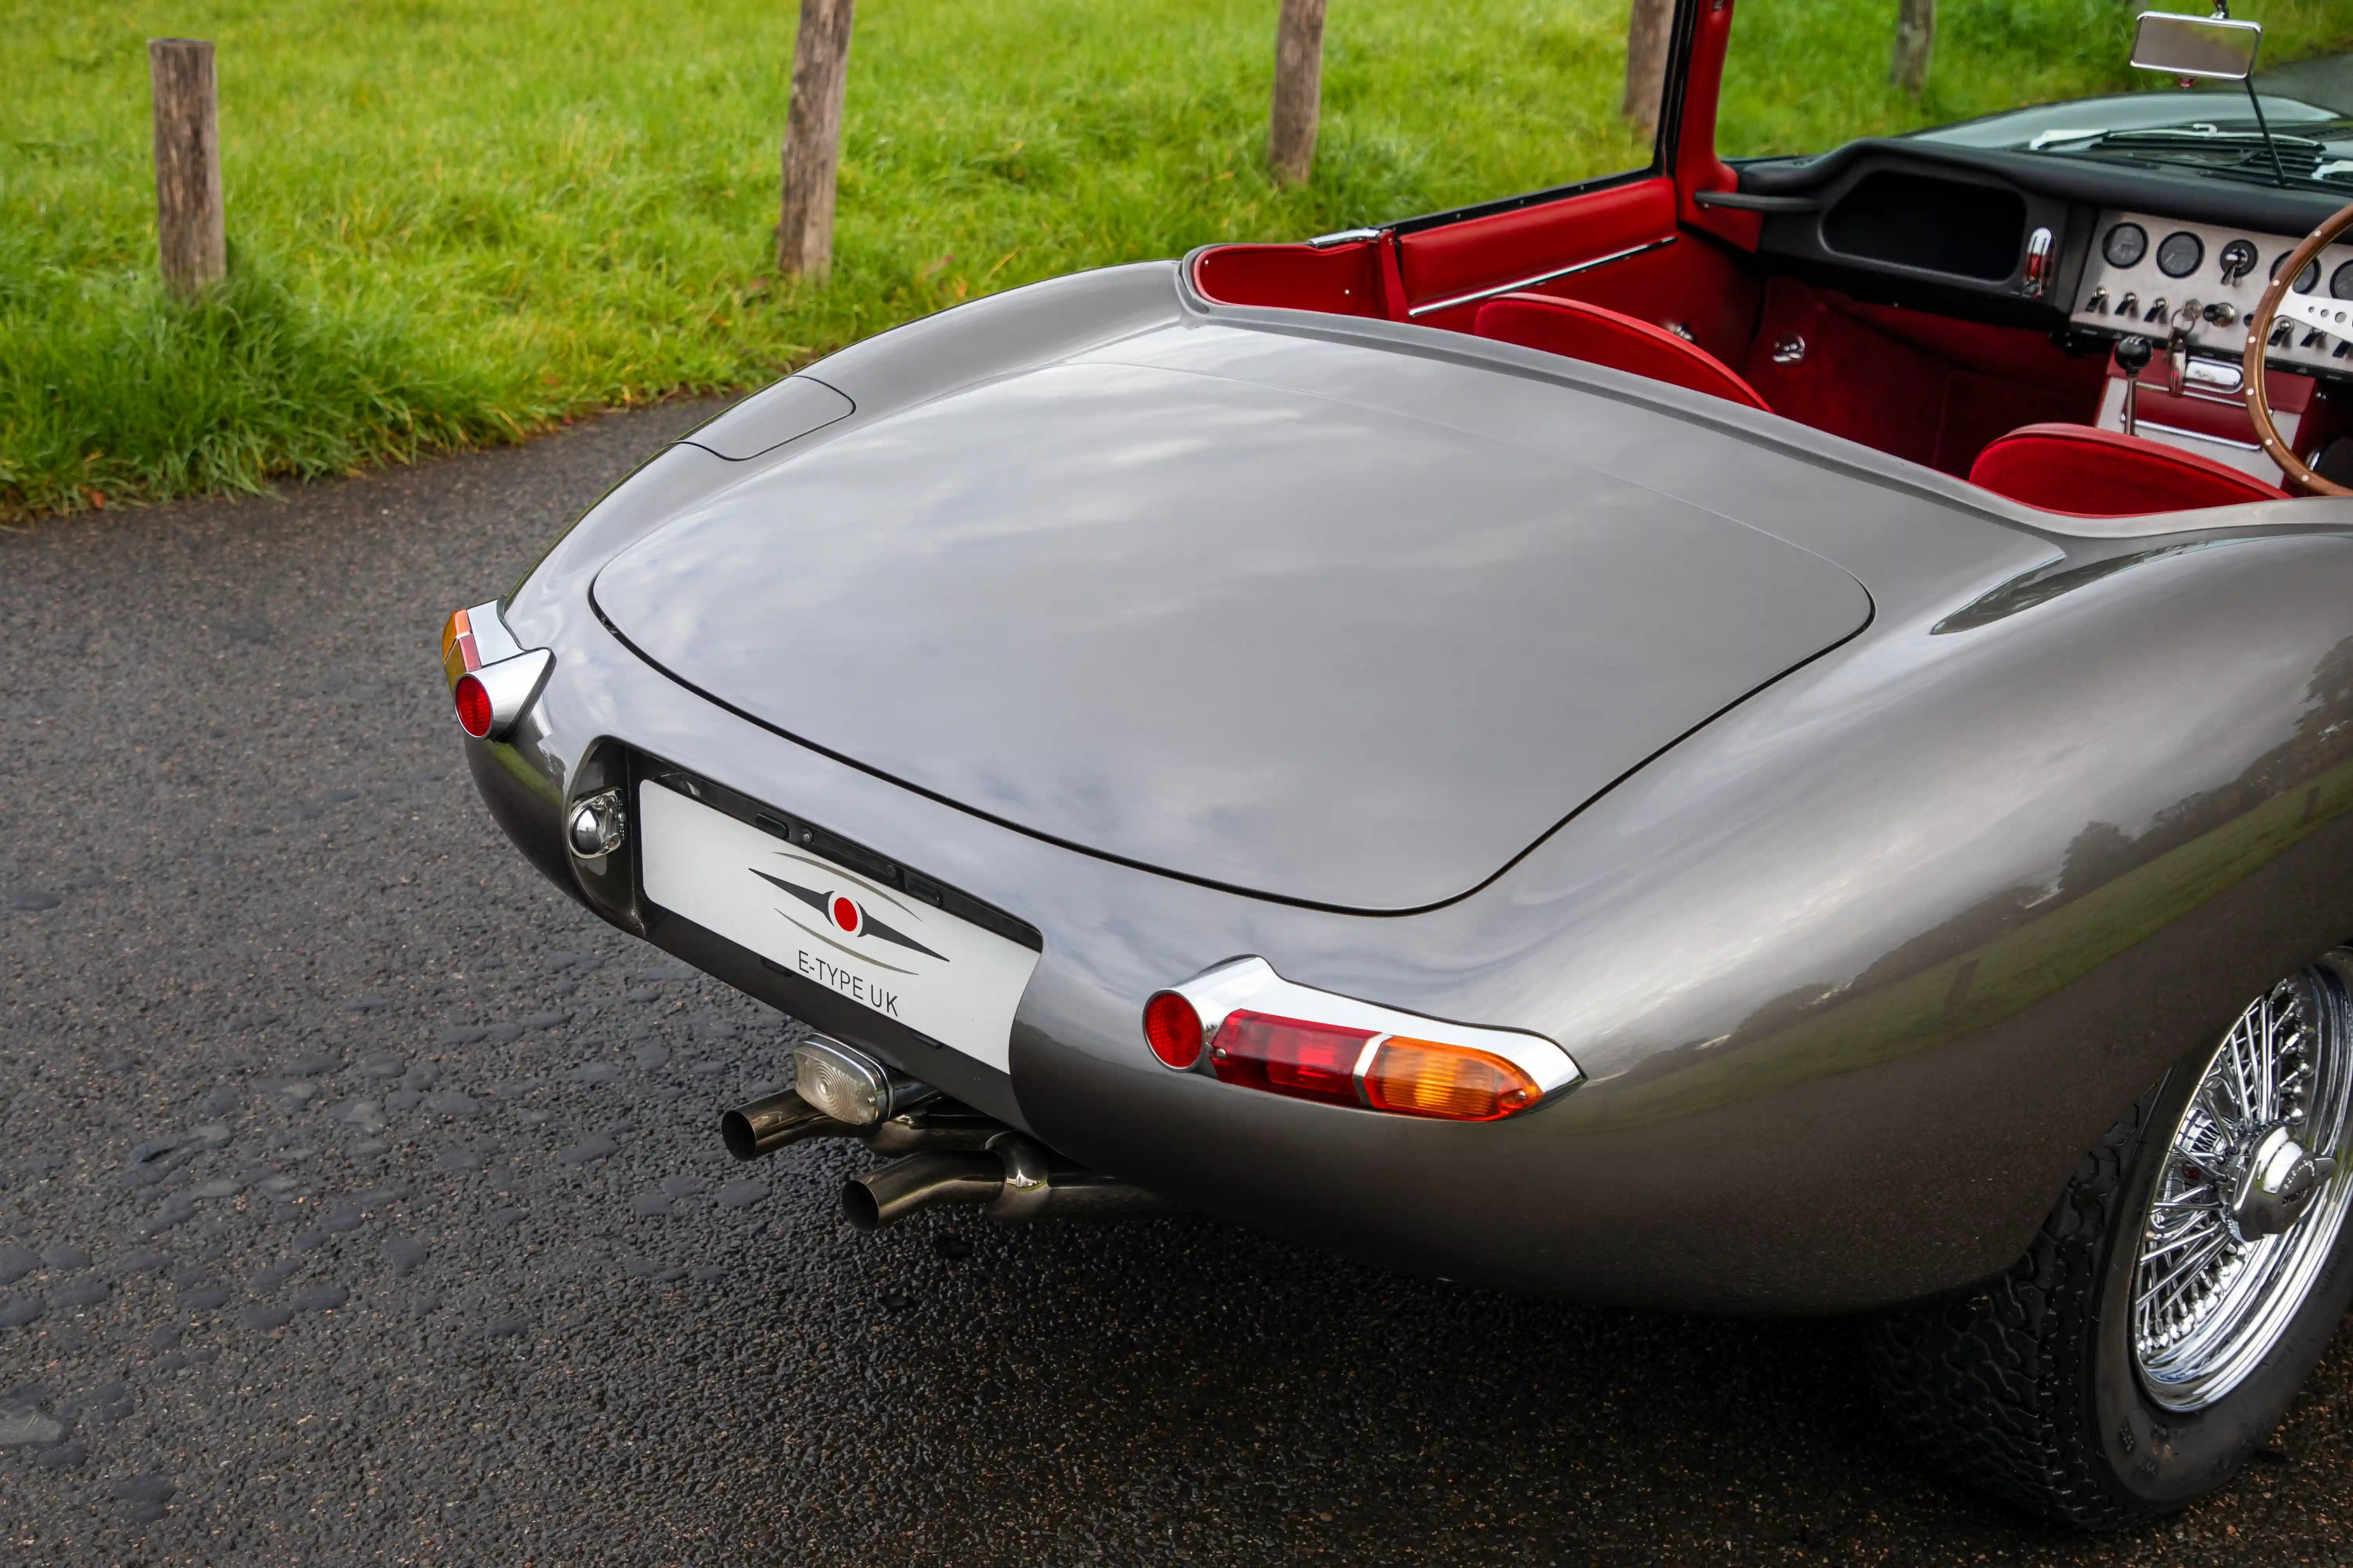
point(1509, 247)
point(1692, 284)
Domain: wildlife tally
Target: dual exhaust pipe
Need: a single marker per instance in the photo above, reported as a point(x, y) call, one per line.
point(1011, 1180)
point(950, 1155)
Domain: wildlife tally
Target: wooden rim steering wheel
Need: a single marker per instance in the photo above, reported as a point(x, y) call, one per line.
point(2333, 316)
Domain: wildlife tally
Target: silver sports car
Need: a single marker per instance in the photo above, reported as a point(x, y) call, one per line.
point(1771, 738)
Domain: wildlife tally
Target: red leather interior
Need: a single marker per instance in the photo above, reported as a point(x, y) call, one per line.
point(1931, 388)
point(2210, 412)
point(1962, 396)
point(1460, 257)
point(1695, 282)
point(1580, 330)
point(2089, 472)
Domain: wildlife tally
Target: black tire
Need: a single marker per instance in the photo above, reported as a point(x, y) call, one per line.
point(2026, 1386)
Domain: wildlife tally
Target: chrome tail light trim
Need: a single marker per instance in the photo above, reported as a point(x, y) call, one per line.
point(1251, 984)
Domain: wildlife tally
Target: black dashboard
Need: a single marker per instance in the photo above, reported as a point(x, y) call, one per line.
point(2048, 242)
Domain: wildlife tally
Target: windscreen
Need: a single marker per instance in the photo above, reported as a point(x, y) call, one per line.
point(2041, 75)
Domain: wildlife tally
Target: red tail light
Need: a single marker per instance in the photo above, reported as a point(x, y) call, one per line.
point(1267, 1033)
point(491, 678)
point(1289, 1055)
point(473, 705)
point(1172, 1029)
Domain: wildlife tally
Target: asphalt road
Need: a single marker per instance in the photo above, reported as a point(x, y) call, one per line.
point(2325, 79)
point(360, 1197)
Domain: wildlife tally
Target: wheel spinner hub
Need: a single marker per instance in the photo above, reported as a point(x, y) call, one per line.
point(2276, 1182)
point(2244, 1214)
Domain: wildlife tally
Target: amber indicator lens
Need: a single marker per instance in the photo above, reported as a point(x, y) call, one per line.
point(1422, 1077)
point(458, 651)
point(1289, 1055)
point(473, 706)
point(1172, 1029)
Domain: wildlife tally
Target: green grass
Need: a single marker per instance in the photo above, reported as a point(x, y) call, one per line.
point(455, 221)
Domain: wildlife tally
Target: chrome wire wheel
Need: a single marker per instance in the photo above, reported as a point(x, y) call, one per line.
point(2244, 1214)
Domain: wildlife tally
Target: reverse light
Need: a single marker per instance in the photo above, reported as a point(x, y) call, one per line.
point(851, 1086)
point(1267, 1033)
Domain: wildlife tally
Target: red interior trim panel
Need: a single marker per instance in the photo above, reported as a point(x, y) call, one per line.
point(1929, 388)
point(1513, 247)
point(1697, 168)
point(2083, 472)
point(1648, 281)
point(1578, 330)
point(1340, 280)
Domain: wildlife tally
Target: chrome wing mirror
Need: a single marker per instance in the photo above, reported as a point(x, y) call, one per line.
point(2213, 48)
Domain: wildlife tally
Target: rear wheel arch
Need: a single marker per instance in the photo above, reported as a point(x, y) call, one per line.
point(2031, 1385)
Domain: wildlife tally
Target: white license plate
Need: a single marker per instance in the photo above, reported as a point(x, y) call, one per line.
point(892, 954)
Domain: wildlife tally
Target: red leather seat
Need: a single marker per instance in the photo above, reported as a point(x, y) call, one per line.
point(1576, 330)
point(2090, 472)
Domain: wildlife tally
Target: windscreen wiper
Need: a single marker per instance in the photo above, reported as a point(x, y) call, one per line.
point(2200, 135)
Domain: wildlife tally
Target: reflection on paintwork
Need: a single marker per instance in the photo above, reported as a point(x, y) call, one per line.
point(1272, 641)
point(2044, 584)
point(2018, 945)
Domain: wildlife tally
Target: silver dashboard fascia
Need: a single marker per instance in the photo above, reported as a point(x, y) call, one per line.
point(2106, 286)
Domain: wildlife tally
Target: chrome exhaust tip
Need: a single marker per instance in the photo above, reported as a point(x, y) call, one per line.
point(765, 1126)
point(1012, 1181)
point(836, 1094)
point(953, 1154)
point(885, 1196)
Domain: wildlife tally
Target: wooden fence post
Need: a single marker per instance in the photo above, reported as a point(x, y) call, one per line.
point(1915, 38)
point(1298, 90)
point(188, 225)
point(813, 138)
point(1648, 26)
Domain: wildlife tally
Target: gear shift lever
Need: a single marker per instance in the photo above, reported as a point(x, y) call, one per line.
point(2133, 354)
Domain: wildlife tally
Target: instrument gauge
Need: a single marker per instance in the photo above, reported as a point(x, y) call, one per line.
point(2180, 253)
point(2340, 282)
point(2126, 245)
point(2307, 280)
